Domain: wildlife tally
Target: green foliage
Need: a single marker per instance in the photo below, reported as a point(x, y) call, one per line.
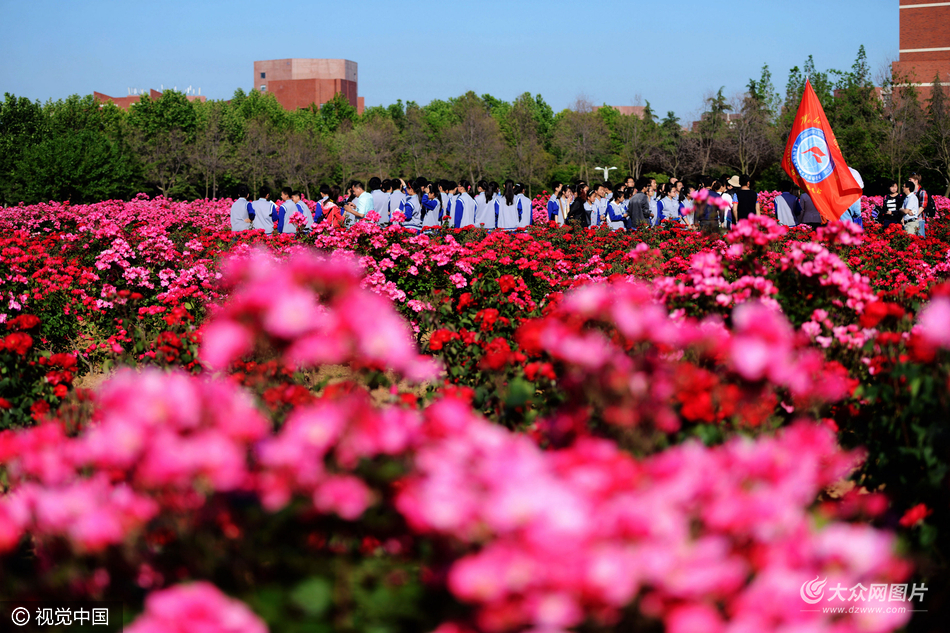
point(84, 151)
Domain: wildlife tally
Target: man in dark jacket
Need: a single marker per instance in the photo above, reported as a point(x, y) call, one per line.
point(639, 207)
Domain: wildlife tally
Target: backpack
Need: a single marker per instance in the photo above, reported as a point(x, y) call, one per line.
point(930, 210)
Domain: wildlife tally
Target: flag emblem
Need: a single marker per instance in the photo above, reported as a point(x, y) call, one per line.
point(811, 157)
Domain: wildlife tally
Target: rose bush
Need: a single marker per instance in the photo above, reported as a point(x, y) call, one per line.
point(675, 408)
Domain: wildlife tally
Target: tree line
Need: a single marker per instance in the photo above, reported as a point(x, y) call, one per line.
point(80, 150)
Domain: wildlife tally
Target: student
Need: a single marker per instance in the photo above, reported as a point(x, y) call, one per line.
point(638, 209)
point(667, 207)
point(431, 206)
point(911, 219)
point(485, 206)
point(746, 200)
point(286, 209)
point(444, 195)
point(264, 212)
point(397, 198)
point(726, 187)
point(523, 204)
point(592, 206)
point(380, 192)
point(787, 207)
point(506, 208)
point(318, 213)
point(810, 214)
point(923, 199)
point(304, 209)
point(331, 210)
point(890, 208)
point(687, 213)
point(616, 216)
point(240, 218)
point(463, 215)
point(553, 206)
point(412, 206)
point(361, 204)
point(563, 202)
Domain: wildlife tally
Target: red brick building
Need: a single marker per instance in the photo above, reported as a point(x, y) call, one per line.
point(126, 102)
point(297, 83)
point(924, 44)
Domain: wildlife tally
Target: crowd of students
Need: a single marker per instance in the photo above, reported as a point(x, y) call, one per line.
point(421, 204)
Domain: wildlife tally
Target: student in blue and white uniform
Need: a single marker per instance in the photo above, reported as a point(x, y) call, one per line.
point(668, 208)
point(444, 194)
point(286, 209)
point(506, 208)
point(264, 212)
point(431, 207)
point(485, 206)
point(463, 214)
point(523, 204)
point(304, 208)
point(240, 216)
point(616, 214)
point(379, 190)
point(396, 198)
point(553, 206)
point(412, 206)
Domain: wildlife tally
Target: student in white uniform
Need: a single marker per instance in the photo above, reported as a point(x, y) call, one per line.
point(305, 210)
point(463, 214)
point(431, 206)
point(265, 213)
point(616, 214)
point(485, 206)
point(240, 218)
point(380, 192)
point(506, 208)
point(523, 203)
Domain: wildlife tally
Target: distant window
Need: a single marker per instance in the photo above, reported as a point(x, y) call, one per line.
point(263, 75)
point(263, 88)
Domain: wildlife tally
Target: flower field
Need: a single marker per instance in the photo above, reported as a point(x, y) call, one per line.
point(460, 431)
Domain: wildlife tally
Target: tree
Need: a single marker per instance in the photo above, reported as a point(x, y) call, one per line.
point(419, 141)
point(23, 124)
point(474, 145)
point(713, 124)
point(856, 115)
point(936, 155)
point(82, 155)
point(673, 152)
point(529, 160)
point(638, 139)
point(209, 152)
point(904, 126)
point(296, 159)
point(253, 159)
point(373, 147)
point(164, 134)
point(581, 136)
point(752, 139)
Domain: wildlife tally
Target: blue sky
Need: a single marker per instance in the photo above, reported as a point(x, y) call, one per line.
point(670, 53)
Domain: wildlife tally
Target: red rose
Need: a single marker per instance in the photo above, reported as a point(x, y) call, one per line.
point(915, 515)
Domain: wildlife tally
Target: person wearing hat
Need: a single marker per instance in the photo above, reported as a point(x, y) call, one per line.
point(730, 186)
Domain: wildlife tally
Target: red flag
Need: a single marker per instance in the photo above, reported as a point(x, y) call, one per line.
point(814, 162)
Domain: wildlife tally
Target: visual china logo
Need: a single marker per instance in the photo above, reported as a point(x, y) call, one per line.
point(813, 591)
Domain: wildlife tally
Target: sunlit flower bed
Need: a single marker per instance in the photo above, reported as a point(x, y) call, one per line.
point(466, 431)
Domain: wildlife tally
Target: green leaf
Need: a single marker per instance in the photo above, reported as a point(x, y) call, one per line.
point(312, 596)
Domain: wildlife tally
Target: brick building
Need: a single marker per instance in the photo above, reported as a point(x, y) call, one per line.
point(296, 83)
point(126, 102)
point(924, 44)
